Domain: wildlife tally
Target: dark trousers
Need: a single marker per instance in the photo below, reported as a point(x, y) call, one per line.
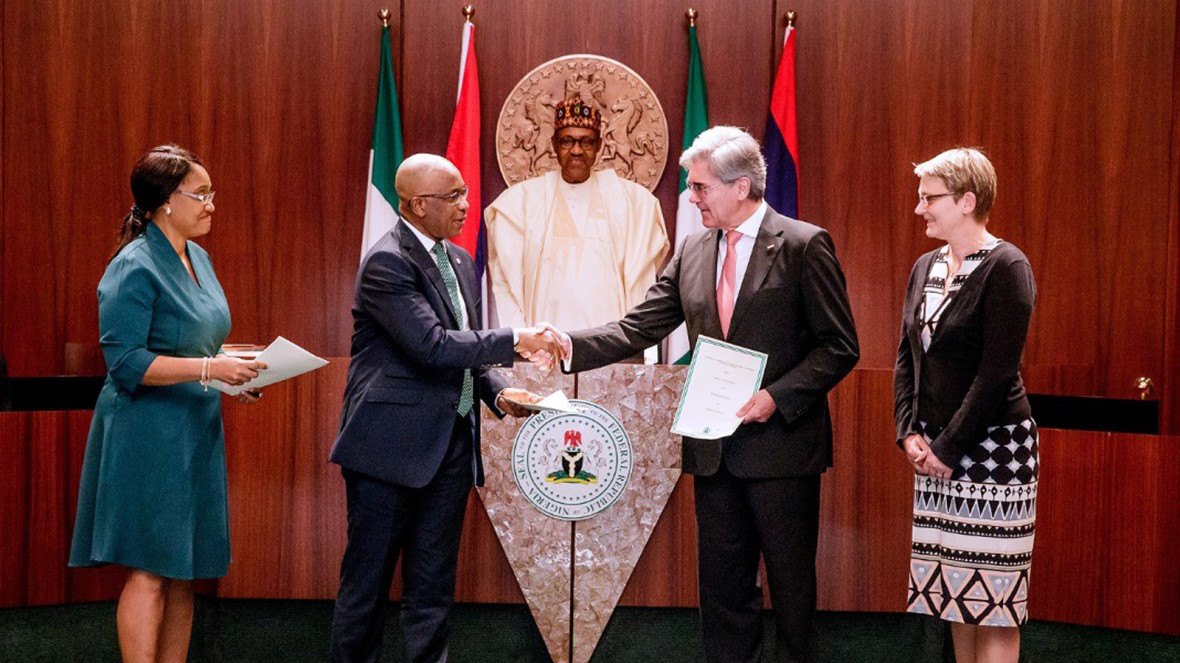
point(423, 526)
point(738, 519)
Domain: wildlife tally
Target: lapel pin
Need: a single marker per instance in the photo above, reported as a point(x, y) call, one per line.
point(770, 248)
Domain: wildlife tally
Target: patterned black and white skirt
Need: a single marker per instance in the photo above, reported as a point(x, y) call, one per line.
point(973, 533)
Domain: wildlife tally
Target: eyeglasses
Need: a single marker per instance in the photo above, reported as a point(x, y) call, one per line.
point(453, 197)
point(203, 198)
point(701, 189)
point(925, 200)
point(588, 143)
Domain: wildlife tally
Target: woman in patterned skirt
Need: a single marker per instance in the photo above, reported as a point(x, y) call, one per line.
point(962, 415)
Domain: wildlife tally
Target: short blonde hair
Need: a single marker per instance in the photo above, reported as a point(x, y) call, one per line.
point(964, 169)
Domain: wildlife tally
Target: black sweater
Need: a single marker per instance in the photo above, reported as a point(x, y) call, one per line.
point(969, 378)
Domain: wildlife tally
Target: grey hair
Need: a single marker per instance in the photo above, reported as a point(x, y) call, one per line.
point(730, 153)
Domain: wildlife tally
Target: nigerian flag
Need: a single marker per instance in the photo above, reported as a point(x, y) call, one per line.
point(688, 217)
point(385, 155)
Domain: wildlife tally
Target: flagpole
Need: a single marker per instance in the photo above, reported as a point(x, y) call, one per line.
point(791, 16)
point(468, 12)
point(384, 15)
point(688, 217)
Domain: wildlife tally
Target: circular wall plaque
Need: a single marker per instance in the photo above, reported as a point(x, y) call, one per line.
point(634, 129)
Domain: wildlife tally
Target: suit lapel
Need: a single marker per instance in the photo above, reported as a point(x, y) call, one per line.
point(766, 248)
point(706, 279)
point(425, 261)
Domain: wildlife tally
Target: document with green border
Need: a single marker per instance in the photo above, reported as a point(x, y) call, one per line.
point(721, 378)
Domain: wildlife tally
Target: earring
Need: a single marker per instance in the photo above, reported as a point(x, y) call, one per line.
point(168, 210)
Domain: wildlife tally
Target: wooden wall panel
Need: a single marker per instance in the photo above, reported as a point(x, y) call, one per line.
point(867, 501)
point(14, 508)
point(287, 503)
point(1102, 526)
point(42, 454)
point(276, 97)
point(1169, 398)
point(880, 86)
point(484, 574)
point(1067, 105)
point(666, 574)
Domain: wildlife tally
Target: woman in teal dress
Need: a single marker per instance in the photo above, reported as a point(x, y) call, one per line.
point(153, 489)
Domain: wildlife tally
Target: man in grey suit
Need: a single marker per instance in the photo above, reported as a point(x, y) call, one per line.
point(408, 444)
point(761, 281)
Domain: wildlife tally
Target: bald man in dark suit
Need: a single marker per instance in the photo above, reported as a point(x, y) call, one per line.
point(408, 444)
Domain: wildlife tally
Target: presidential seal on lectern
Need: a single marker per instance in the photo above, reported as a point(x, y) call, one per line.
point(572, 465)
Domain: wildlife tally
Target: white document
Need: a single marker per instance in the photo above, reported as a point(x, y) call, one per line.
point(721, 378)
point(283, 360)
point(556, 401)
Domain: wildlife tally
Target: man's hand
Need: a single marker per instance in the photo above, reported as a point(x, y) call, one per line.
point(567, 346)
point(758, 408)
point(546, 345)
point(505, 401)
point(531, 340)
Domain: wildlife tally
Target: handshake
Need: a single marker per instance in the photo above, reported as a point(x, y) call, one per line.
point(543, 345)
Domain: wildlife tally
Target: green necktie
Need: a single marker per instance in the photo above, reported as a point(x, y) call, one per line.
point(467, 396)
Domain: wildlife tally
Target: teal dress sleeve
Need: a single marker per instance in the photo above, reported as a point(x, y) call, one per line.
point(126, 297)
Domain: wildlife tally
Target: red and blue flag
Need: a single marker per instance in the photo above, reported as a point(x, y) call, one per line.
point(781, 144)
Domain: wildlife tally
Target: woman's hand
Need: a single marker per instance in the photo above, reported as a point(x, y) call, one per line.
point(917, 451)
point(234, 371)
point(923, 460)
point(936, 468)
point(249, 397)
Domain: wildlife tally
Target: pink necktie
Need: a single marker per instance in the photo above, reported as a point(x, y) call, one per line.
point(725, 287)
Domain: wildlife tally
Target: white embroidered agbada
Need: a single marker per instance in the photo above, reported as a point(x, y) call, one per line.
point(574, 255)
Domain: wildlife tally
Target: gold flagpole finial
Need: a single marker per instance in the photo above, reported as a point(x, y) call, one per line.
point(791, 16)
point(384, 15)
point(468, 12)
point(692, 15)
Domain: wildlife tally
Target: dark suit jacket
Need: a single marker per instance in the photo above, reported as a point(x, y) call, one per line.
point(969, 378)
point(408, 357)
point(792, 305)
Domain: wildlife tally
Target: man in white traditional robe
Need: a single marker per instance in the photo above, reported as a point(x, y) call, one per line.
point(573, 247)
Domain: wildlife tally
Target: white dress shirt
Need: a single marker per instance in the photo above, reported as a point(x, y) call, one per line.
point(428, 244)
point(745, 247)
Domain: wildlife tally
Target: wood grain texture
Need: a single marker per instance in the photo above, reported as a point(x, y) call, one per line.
point(866, 501)
point(287, 503)
point(277, 99)
point(1169, 398)
point(1102, 525)
point(666, 574)
point(38, 501)
point(880, 85)
point(1063, 146)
